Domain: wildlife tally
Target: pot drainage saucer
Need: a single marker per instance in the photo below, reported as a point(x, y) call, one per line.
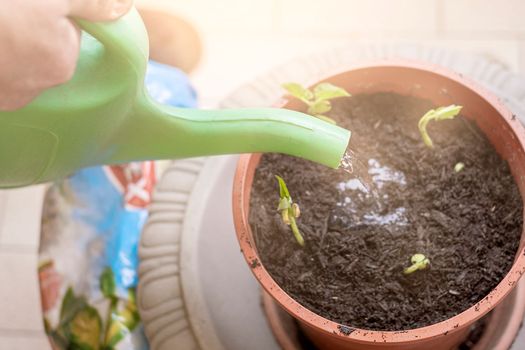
point(498, 329)
point(195, 289)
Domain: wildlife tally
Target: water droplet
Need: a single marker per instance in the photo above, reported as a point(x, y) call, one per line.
point(347, 162)
point(364, 192)
point(352, 164)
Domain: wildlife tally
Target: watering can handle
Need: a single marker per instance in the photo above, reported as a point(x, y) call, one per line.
point(123, 39)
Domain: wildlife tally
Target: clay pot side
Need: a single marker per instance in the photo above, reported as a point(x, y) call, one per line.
point(443, 87)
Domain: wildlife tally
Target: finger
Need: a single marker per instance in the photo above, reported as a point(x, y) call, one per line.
point(42, 52)
point(99, 10)
point(57, 59)
point(15, 100)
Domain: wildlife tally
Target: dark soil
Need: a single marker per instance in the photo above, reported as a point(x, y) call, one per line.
point(357, 243)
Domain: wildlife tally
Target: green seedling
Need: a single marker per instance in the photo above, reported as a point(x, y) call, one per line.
point(459, 166)
point(289, 210)
point(419, 262)
point(317, 99)
point(441, 113)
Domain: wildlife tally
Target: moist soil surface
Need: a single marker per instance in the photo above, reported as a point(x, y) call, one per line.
point(358, 242)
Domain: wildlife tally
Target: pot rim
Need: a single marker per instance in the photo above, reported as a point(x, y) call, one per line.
point(453, 324)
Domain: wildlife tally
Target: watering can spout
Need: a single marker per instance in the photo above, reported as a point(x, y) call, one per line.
point(162, 132)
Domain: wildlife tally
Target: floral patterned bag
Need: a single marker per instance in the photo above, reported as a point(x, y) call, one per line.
point(88, 250)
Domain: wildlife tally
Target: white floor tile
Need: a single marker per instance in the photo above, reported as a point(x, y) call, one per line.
point(24, 342)
point(19, 293)
point(21, 216)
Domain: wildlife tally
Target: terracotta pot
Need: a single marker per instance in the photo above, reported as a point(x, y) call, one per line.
point(501, 325)
point(443, 87)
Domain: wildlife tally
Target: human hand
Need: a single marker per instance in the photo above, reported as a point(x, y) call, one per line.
point(39, 43)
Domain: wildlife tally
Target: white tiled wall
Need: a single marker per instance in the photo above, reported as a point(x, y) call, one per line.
point(338, 18)
point(244, 38)
point(497, 18)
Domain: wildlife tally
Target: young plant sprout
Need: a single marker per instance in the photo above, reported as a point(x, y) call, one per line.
point(317, 100)
point(289, 210)
point(419, 262)
point(441, 113)
point(459, 166)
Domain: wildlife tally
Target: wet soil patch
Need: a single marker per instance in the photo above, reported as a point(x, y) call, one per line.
point(357, 244)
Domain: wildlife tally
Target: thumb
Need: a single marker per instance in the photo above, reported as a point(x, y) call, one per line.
point(99, 10)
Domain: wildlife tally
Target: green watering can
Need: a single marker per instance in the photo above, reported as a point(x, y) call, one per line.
point(104, 115)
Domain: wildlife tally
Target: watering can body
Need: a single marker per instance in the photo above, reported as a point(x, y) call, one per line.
point(104, 115)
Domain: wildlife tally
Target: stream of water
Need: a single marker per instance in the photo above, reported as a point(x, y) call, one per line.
point(354, 165)
point(367, 178)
